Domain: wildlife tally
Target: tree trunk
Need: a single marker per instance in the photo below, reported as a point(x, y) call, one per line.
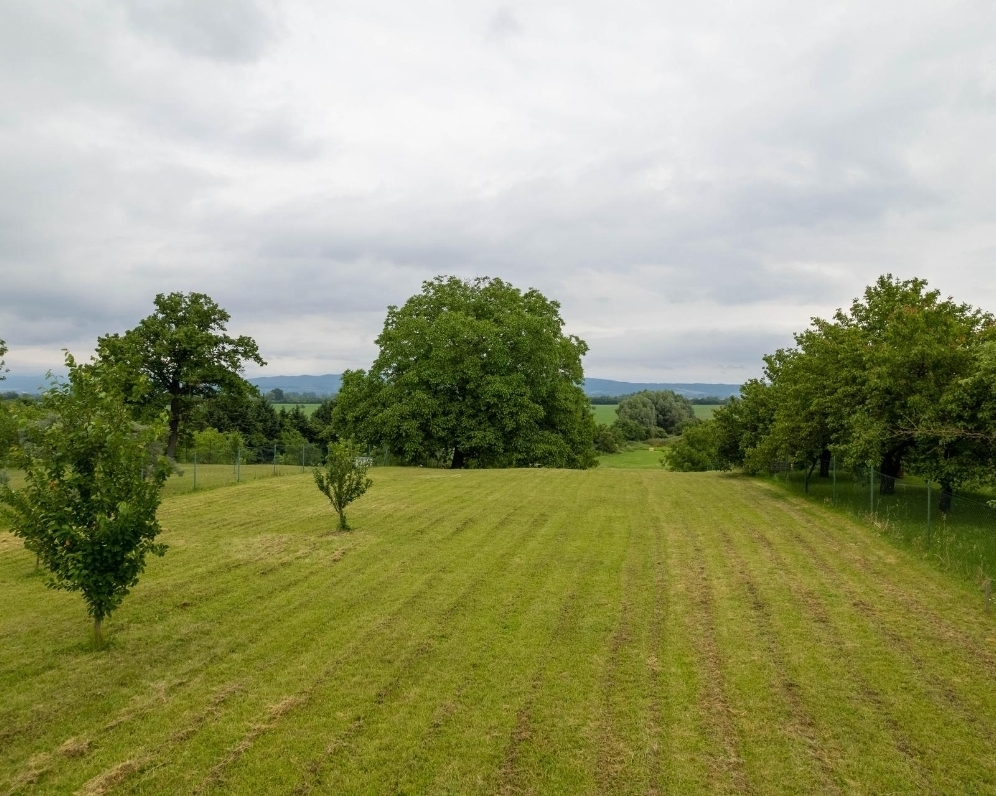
point(945, 505)
point(174, 427)
point(890, 470)
point(458, 460)
point(98, 632)
point(825, 458)
point(809, 474)
point(342, 520)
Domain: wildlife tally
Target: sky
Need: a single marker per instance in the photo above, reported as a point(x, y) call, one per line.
point(691, 181)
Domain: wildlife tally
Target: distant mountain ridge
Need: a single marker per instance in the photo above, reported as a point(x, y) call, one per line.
point(320, 385)
point(36, 383)
point(329, 383)
point(596, 387)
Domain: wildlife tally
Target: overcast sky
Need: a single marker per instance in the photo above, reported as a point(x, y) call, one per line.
point(691, 180)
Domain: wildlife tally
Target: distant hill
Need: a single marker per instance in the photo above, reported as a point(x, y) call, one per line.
point(594, 387)
point(329, 385)
point(320, 385)
point(28, 384)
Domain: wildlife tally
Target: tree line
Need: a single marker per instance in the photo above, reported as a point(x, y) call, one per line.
point(903, 381)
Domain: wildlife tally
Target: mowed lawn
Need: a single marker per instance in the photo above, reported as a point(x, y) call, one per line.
point(526, 631)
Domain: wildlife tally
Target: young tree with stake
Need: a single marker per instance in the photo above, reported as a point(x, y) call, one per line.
point(343, 478)
point(93, 480)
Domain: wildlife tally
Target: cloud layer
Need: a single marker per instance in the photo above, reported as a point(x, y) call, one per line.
point(692, 181)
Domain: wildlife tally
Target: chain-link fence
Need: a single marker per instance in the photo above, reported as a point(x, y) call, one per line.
point(206, 468)
point(955, 531)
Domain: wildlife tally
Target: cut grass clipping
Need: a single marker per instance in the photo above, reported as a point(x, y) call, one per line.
point(505, 631)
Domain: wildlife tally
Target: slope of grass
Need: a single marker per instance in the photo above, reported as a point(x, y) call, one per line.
point(511, 631)
point(605, 413)
point(637, 458)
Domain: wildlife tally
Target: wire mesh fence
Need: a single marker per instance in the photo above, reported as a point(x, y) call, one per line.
point(955, 531)
point(206, 468)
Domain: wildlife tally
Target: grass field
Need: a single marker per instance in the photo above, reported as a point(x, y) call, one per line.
point(607, 413)
point(521, 631)
point(307, 408)
point(638, 459)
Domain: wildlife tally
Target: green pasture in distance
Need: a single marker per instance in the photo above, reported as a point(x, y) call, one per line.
point(308, 408)
point(639, 459)
point(605, 413)
point(531, 630)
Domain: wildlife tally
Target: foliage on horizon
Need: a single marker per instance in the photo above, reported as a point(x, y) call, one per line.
point(92, 488)
point(476, 374)
point(658, 413)
point(902, 381)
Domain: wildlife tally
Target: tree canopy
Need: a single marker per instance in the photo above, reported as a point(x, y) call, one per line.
point(473, 373)
point(93, 479)
point(902, 380)
point(657, 412)
point(179, 356)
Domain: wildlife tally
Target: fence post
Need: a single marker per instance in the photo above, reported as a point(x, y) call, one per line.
point(195, 469)
point(928, 514)
point(302, 458)
point(238, 464)
point(274, 458)
point(833, 463)
point(871, 490)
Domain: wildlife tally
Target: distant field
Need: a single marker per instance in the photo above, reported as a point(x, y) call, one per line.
point(640, 459)
point(516, 631)
point(605, 413)
point(308, 408)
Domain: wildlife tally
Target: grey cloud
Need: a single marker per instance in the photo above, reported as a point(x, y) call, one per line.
point(308, 170)
point(502, 26)
point(230, 30)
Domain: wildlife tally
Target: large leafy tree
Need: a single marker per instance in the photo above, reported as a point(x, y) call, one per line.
point(894, 382)
point(93, 479)
point(475, 373)
point(657, 411)
point(743, 426)
point(180, 355)
point(886, 367)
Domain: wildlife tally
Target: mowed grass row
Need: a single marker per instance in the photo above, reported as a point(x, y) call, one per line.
point(504, 631)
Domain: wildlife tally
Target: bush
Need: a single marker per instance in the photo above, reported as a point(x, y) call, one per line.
point(630, 430)
point(605, 439)
point(696, 450)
